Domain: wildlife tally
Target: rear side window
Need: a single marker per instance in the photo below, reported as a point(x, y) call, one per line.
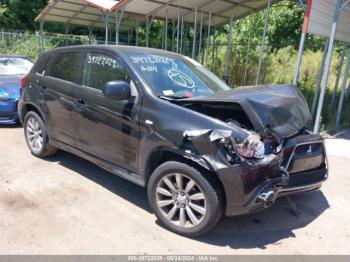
point(65, 66)
point(100, 69)
point(41, 66)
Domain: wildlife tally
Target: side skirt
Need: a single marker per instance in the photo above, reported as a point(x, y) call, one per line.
point(123, 173)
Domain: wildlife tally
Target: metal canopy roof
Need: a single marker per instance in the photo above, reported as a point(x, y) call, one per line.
point(321, 19)
point(82, 13)
point(221, 10)
point(88, 13)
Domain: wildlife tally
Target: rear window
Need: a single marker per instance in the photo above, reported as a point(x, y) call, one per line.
point(14, 66)
point(65, 66)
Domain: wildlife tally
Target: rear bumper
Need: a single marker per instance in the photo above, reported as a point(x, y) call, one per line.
point(8, 112)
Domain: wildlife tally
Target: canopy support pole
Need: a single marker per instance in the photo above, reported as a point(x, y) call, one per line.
point(246, 61)
point(341, 99)
point(90, 35)
point(200, 35)
point(348, 89)
point(319, 78)
point(208, 40)
point(339, 70)
point(263, 41)
point(166, 31)
point(42, 49)
point(182, 34)
point(105, 17)
point(173, 36)
point(66, 33)
point(118, 19)
point(228, 51)
point(137, 25)
point(214, 53)
point(307, 11)
point(299, 57)
point(149, 22)
point(325, 75)
point(194, 34)
point(178, 31)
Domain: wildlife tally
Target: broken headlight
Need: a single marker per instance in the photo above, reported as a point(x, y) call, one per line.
point(251, 147)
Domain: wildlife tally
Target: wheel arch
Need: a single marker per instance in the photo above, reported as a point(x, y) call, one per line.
point(27, 108)
point(162, 155)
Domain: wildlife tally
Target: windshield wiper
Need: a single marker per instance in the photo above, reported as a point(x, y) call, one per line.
point(169, 97)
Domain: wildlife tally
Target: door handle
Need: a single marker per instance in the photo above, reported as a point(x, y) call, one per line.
point(42, 89)
point(81, 101)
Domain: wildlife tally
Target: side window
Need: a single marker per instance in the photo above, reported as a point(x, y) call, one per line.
point(65, 66)
point(41, 65)
point(100, 69)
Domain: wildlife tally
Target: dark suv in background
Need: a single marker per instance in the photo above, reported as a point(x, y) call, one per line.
point(163, 121)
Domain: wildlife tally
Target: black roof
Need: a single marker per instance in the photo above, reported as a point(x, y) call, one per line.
point(120, 48)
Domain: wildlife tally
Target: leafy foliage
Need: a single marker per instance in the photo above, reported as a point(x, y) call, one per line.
point(281, 43)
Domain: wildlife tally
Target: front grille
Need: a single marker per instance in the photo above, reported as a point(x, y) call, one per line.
point(306, 157)
point(307, 177)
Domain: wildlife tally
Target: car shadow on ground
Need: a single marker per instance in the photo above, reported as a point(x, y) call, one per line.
point(13, 126)
point(270, 226)
point(249, 231)
point(119, 186)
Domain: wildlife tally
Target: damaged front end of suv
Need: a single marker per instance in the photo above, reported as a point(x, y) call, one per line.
point(276, 156)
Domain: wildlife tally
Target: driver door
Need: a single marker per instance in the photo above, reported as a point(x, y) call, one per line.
point(107, 129)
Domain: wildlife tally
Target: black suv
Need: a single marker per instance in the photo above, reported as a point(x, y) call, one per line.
point(163, 121)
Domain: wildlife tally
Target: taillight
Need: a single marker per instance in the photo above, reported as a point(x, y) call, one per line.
point(23, 81)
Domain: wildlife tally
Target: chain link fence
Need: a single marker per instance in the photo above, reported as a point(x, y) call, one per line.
point(28, 43)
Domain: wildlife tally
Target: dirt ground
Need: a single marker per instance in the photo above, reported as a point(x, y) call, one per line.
point(66, 205)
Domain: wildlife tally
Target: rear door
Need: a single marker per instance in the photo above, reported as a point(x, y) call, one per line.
point(57, 85)
point(107, 129)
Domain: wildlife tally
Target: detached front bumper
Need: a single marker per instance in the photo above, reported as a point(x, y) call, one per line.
point(8, 112)
point(251, 187)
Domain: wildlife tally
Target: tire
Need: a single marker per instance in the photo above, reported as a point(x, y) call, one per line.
point(204, 200)
point(36, 136)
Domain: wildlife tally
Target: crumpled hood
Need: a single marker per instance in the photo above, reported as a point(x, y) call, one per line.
point(280, 108)
point(10, 87)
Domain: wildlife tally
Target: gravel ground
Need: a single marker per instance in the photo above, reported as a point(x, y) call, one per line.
point(66, 205)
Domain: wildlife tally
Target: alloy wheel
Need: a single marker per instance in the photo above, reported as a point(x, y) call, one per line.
point(34, 134)
point(181, 200)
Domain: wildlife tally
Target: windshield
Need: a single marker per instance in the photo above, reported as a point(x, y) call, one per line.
point(14, 66)
point(176, 77)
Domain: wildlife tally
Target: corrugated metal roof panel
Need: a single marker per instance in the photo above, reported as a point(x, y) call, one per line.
point(90, 17)
point(321, 18)
point(141, 6)
point(79, 11)
point(68, 6)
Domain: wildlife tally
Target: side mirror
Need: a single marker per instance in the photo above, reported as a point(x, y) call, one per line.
point(117, 90)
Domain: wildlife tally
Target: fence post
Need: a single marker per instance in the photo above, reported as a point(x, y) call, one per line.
point(41, 36)
point(342, 93)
